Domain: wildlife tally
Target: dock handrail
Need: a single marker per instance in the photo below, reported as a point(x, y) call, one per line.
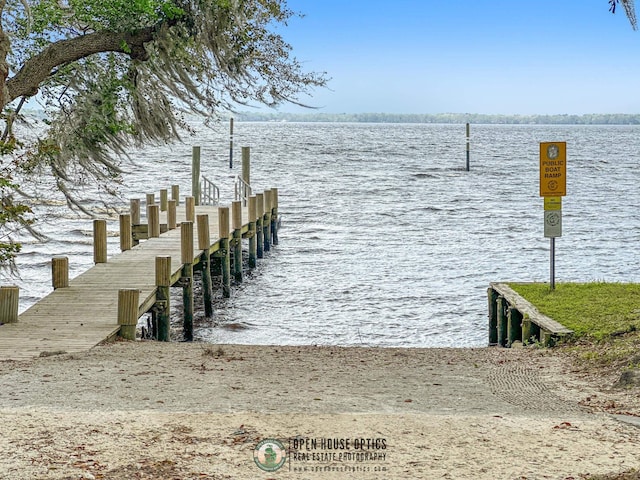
point(209, 192)
point(243, 190)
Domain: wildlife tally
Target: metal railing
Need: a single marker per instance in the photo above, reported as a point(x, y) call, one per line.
point(243, 191)
point(209, 192)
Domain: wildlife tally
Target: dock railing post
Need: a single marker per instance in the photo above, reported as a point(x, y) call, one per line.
point(204, 242)
point(190, 209)
point(163, 297)
point(164, 198)
point(151, 199)
point(9, 300)
point(223, 226)
point(126, 235)
point(267, 220)
point(186, 238)
point(99, 241)
point(236, 213)
point(172, 214)
point(259, 224)
point(59, 272)
point(274, 216)
point(253, 262)
point(128, 300)
point(135, 218)
point(175, 193)
point(153, 219)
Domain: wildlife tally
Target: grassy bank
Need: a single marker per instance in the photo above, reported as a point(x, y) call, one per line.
point(604, 316)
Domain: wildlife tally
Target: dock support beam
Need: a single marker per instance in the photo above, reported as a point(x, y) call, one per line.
point(223, 225)
point(128, 300)
point(163, 297)
point(236, 213)
point(9, 299)
point(204, 242)
point(514, 325)
point(253, 252)
point(501, 316)
point(493, 316)
point(187, 278)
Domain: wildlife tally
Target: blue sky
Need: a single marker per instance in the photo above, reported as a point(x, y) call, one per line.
point(468, 56)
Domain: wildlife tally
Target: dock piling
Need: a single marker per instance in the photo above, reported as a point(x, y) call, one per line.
point(236, 209)
point(99, 241)
point(195, 174)
point(186, 237)
point(501, 316)
point(253, 253)
point(153, 219)
point(128, 300)
point(274, 216)
point(266, 224)
point(190, 209)
point(493, 316)
point(162, 306)
point(151, 199)
point(175, 193)
point(204, 242)
point(164, 198)
point(223, 225)
point(9, 300)
point(171, 214)
point(59, 272)
point(259, 224)
point(126, 235)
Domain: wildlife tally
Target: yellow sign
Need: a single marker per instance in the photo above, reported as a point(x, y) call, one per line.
point(552, 203)
point(553, 169)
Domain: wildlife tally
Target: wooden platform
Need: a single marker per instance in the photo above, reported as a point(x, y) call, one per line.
point(76, 318)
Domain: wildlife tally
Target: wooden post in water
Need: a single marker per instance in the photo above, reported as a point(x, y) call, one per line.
point(190, 212)
point(171, 214)
point(151, 199)
point(223, 226)
point(153, 219)
point(253, 253)
point(164, 197)
point(99, 241)
point(236, 214)
point(246, 165)
point(9, 300)
point(468, 165)
point(231, 142)
point(274, 216)
point(175, 193)
point(259, 224)
point(126, 236)
point(195, 175)
point(128, 300)
point(59, 272)
point(163, 297)
point(266, 225)
point(186, 237)
point(204, 242)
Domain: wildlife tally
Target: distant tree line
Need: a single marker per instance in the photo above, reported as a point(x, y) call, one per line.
point(564, 119)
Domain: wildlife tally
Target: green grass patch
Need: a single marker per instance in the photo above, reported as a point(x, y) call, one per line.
point(597, 310)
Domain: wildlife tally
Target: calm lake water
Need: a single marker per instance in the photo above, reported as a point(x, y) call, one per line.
point(385, 239)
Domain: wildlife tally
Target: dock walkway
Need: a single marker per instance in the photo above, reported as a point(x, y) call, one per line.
point(78, 317)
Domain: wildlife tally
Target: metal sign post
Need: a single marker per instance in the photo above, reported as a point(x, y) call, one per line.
point(553, 186)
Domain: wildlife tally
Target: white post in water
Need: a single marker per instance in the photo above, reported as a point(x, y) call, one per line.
point(468, 146)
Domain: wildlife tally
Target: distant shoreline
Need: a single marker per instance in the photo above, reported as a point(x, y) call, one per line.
point(452, 118)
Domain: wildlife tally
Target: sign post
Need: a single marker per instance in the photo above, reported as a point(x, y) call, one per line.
point(553, 186)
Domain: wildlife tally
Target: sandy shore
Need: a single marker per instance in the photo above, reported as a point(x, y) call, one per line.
point(146, 410)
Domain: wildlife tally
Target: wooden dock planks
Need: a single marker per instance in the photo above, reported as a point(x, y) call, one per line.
point(78, 317)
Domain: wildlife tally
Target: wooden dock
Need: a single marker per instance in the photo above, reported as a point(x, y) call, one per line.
point(513, 319)
point(97, 305)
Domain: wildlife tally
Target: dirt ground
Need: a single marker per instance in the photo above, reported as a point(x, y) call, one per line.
point(146, 410)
